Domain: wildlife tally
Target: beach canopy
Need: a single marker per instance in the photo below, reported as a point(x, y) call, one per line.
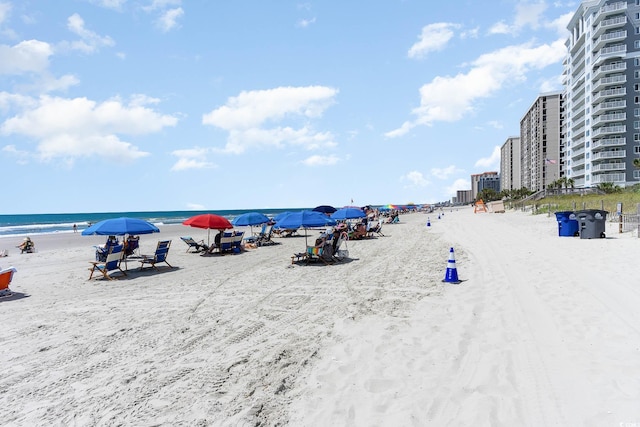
point(120, 227)
point(250, 218)
point(326, 209)
point(348, 213)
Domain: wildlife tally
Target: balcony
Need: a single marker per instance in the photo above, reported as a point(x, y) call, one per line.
point(609, 24)
point(616, 51)
point(608, 167)
point(611, 177)
point(614, 36)
point(609, 105)
point(608, 118)
point(609, 93)
point(615, 154)
point(608, 10)
point(608, 81)
point(577, 153)
point(616, 67)
point(609, 142)
point(606, 130)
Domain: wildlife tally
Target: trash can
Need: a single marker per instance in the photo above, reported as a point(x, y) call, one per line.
point(591, 223)
point(567, 223)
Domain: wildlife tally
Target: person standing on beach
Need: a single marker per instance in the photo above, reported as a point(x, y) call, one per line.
point(75, 228)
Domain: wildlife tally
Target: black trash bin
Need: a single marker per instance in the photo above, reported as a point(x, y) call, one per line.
point(592, 223)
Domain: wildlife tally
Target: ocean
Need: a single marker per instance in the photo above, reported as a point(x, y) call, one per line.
point(34, 224)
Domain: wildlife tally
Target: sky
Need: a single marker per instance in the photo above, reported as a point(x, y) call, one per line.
point(145, 105)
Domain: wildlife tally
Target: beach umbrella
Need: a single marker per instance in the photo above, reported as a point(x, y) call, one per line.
point(326, 209)
point(281, 215)
point(348, 213)
point(251, 219)
point(305, 219)
point(120, 227)
point(208, 221)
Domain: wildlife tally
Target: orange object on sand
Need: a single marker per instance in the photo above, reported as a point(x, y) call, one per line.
point(479, 206)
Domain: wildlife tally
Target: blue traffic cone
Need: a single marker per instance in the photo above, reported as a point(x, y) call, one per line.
point(438, 216)
point(451, 276)
point(428, 223)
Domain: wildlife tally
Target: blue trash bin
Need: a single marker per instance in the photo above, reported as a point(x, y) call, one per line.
point(567, 224)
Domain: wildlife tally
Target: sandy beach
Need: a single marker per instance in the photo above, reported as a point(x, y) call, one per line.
point(542, 331)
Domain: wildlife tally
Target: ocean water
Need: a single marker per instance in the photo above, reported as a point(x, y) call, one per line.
point(34, 224)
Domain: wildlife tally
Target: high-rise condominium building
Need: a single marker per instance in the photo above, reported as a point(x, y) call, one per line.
point(541, 141)
point(510, 164)
point(601, 78)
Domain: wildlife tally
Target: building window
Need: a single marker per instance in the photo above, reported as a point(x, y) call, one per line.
point(636, 149)
point(636, 62)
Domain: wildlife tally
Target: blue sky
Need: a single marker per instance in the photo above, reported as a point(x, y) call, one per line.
point(137, 105)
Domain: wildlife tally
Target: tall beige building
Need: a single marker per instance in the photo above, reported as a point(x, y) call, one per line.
point(541, 141)
point(510, 164)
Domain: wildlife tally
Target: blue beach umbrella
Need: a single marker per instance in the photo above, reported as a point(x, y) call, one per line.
point(281, 215)
point(304, 219)
point(348, 213)
point(120, 227)
point(250, 218)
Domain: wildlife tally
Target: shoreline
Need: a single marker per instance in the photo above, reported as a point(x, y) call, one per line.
point(542, 330)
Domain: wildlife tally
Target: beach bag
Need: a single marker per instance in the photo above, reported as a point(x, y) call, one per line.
point(343, 253)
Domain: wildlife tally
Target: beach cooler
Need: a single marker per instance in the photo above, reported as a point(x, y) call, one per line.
point(567, 223)
point(592, 223)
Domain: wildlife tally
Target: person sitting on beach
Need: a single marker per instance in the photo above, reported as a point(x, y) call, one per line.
point(359, 232)
point(216, 243)
point(131, 244)
point(26, 246)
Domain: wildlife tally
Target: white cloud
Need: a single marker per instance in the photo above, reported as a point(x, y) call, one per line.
point(195, 207)
point(445, 173)
point(449, 99)
point(434, 37)
point(304, 23)
point(112, 4)
point(73, 128)
point(321, 160)
point(491, 162)
point(161, 5)
point(528, 15)
point(251, 117)
point(194, 158)
point(168, 20)
point(459, 184)
point(89, 41)
point(415, 179)
point(29, 56)
point(5, 10)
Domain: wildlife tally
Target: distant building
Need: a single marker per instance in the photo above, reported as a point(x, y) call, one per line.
point(510, 164)
point(463, 197)
point(484, 180)
point(540, 142)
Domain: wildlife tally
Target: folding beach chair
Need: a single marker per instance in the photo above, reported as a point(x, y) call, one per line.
point(6, 276)
point(112, 263)
point(160, 256)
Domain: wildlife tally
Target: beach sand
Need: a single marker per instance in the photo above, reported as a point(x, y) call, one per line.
point(543, 330)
